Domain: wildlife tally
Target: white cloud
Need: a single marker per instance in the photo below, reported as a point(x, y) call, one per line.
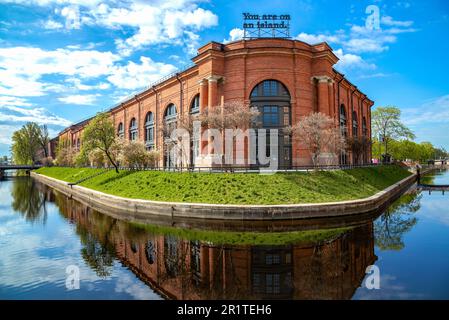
point(388, 21)
point(317, 38)
point(72, 17)
point(435, 111)
point(6, 132)
point(21, 68)
point(234, 35)
point(359, 39)
point(13, 101)
point(351, 61)
point(87, 99)
point(135, 76)
point(375, 75)
point(152, 22)
point(168, 24)
point(33, 114)
point(51, 25)
point(76, 83)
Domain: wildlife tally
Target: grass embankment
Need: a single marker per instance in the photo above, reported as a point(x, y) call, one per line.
point(234, 188)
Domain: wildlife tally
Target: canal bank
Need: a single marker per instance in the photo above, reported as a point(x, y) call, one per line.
point(137, 209)
point(407, 241)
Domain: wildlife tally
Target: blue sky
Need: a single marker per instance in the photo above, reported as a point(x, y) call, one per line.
point(64, 60)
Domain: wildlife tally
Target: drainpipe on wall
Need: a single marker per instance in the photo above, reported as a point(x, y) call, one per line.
point(338, 98)
point(338, 107)
point(156, 126)
point(138, 115)
point(181, 98)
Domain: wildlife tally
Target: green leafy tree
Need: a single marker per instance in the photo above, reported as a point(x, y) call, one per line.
point(426, 151)
point(26, 143)
point(387, 126)
point(100, 134)
point(29, 200)
point(441, 153)
point(396, 221)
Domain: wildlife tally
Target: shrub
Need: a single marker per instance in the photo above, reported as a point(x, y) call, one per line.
point(134, 155)
point(97, 158)
point(152, 158)
point(65, 157)
point(47, 162)
point(81, 159)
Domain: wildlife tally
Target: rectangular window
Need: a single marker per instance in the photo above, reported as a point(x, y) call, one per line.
point(270, 116)
point(272, 283)
point(272, 259)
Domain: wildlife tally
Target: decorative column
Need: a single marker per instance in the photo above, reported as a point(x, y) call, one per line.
point(323, 83)
point(213, 90)
point(203, 94)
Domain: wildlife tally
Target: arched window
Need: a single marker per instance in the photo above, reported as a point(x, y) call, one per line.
point(270, 88)
point(169, 126)
point(272, 99)
point(195, 106)
point(355, 124)
point(133, 129)
point(150, 252)
point(78, 143)
point(170, 112)
point(171, 259)
point(343, 121)
point(364, 128)
point(120, 131)
point(149, 130)
point(344, 132)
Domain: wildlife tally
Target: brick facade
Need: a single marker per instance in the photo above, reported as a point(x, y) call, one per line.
point(229, 72)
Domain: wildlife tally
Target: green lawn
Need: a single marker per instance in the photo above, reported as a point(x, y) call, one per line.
point(234, 188)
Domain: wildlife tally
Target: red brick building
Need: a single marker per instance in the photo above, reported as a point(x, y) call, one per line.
point(285, 79)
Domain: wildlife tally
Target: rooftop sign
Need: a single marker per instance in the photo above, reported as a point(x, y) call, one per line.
point(266, 26)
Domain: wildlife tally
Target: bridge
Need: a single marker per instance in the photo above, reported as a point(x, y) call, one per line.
point(27, 167)
point(431, 187)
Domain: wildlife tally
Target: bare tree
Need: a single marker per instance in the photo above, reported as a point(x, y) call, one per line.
point(174, 134)
point(234, 115)
point(320, 134)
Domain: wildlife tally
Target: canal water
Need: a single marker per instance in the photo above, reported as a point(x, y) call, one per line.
point(53, 247)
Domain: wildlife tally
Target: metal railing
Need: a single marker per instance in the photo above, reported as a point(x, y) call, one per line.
point(236, 169)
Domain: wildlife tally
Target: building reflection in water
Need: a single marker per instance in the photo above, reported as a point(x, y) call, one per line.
point(178, 268)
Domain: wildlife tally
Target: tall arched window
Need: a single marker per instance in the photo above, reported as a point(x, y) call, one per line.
point(171, 259)
point(272, 99)
point(120, 130)
point(133, 130)
point(149, 130)
point(194, 141)
point(355, 124)
point(344, 132)
point(343, 121)
point(169, 126)
point(364, 127)
point(195, 106)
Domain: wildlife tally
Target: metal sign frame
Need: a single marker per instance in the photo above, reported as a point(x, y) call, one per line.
point(266, 26)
